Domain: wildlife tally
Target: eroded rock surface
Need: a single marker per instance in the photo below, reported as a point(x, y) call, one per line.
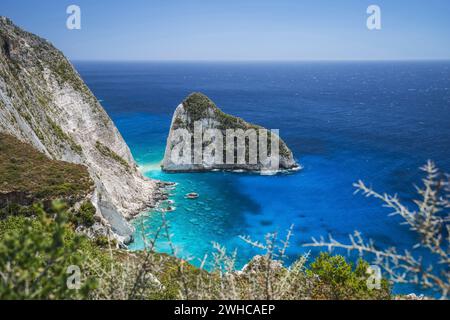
point(197, 109)
point(43, 101)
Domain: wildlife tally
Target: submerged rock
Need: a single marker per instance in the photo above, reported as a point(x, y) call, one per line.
point(193, 143)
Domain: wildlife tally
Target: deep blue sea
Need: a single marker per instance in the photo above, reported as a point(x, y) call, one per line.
point(375, 121)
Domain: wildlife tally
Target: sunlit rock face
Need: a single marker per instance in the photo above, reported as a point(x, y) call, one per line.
point(43, 101)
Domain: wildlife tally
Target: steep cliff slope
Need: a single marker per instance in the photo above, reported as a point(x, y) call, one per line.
point(197, 108)
point(44, 102)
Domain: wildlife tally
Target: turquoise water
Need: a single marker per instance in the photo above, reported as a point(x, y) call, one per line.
point(344, 121)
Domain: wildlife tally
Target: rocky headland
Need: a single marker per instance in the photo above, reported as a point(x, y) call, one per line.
point(45, 103)
point(198, 109)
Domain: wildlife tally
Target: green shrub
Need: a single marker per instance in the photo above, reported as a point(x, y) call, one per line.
point(35, 255)
point(104, 242)
point(338, 279)
point(14, 209)
point(87, 213)
point(85, 216)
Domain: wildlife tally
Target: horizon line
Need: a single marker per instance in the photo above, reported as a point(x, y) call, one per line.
point(263, 60)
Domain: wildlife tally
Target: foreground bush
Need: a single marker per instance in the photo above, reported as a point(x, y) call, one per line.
point(341, 281)
point(429, 220)
point(265, 277)
point(36, 254)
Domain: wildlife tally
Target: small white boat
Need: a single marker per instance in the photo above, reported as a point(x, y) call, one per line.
point(192, 195)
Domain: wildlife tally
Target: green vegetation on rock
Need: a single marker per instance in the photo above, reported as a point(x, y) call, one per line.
point(104, 150)
point(198, 106)
point(62, 136)
point(341, 280)
point(24, 170)
point(84, 216)
point(35, 254)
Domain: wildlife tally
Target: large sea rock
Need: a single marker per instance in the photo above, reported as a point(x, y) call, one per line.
point(198, 110)
point(44, 102)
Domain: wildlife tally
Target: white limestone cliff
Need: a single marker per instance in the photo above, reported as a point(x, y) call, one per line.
point(199, 109)
point(43, 101)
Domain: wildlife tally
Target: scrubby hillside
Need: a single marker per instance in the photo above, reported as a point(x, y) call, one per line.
point(28, 176)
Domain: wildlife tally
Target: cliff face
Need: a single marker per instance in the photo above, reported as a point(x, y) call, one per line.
point(199, 109)
point(44, 102)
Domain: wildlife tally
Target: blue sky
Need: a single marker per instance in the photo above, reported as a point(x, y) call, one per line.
point(239, 29)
